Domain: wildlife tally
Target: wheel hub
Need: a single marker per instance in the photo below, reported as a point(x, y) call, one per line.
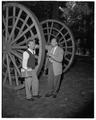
point(7, 47)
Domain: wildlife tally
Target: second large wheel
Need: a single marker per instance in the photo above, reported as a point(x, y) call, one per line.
point(56, 29)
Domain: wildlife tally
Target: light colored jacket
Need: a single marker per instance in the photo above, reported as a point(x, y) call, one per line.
point(56, 59)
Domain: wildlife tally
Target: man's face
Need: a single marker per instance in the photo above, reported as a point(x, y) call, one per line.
point(53, 42)
point(31, 45)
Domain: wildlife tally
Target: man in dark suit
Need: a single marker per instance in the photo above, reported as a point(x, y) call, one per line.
point(55, 58)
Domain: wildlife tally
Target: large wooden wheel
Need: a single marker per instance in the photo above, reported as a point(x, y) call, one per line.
point(53, 28)
point(19, 25)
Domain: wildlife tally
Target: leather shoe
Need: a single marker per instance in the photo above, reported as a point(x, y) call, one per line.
point(54, 95)
point(48, 95)
point(37, 96)
point(31, 99)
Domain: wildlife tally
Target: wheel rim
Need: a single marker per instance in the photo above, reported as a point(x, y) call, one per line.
point(19, 25)
point(53, 28)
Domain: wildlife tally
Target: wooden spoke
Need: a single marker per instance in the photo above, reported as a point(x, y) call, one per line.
point(22, 27)
point(23, 42)
point(21, 51)
point(61, 41)
point(67, 52)
point(50, 31)
point(14, 10)
point(69, 46)
point(65, 34)
point(4, 55)
point(6, 27)
point(65, 65)
point(16, 54)
point(26, 31)
point(5, 77)
point(19, 47)
point(4, 21)
point(13, 61)
point(22, 33)
point(15, 24)
point(17, 82)
point(59, 31)
point(68, 39)
point(67, 59)
point(64, 47)
point(8, 69)
point(33, 37)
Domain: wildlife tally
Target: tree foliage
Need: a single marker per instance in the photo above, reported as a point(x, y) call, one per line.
point(78, 16)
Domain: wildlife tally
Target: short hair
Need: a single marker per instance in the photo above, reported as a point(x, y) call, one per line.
point(54, 39)
point(30, 40)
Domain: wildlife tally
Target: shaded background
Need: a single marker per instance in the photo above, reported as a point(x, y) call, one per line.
point(78, 16)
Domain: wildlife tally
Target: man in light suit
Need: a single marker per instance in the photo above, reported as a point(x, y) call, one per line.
point(31, 83)
point(55, 58)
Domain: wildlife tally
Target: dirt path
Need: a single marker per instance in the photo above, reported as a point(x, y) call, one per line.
point(75, 98)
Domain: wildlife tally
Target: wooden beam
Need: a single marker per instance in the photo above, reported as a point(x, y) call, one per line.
point(16, 54)
point(22, 33)
point(13, 61)
point(8, 69)
point(19, 87)
point(21, 30)
point(47, 30)
point(4, 21)
point(17, 82)
point(62, 41)
point(15, 24)
point(21, 51)
point(6, 26)
point(66, 34)
point(22, 42)
point(60, 31)
point(5, 77)
point(67, 59)
point(4, 55)
point(50, 32)
point(14, 10)
point(19, 47)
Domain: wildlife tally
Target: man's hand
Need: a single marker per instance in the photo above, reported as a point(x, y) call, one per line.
point(33, 71)
point(29, 69)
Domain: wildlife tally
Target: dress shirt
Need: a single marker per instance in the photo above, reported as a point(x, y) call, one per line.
point(53, 52)
point(25, 58)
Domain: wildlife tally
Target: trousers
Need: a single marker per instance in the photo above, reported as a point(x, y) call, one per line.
point(53, 80)
point(31, 86)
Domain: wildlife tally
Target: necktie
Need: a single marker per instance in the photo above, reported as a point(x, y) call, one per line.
point(53, 50)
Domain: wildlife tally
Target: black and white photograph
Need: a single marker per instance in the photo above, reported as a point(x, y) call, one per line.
point(47, 59)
